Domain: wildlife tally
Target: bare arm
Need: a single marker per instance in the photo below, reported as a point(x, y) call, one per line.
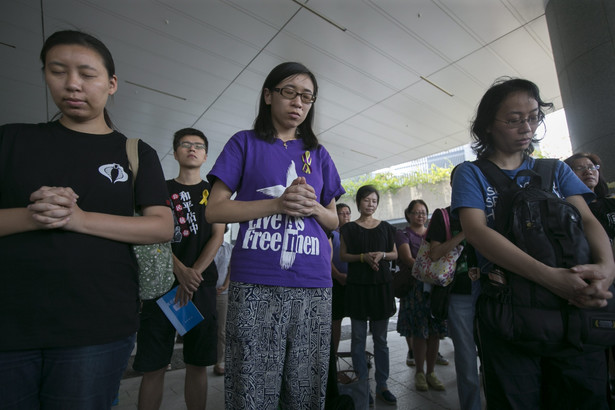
point(501, 251)
point(345, 256)
point(190, 277)
point(56, 207)
point(405, 255)
point(156, 225)
point(439, 249)
point(211, 248)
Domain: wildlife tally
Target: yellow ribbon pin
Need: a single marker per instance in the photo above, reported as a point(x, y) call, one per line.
point(307, 161)
point(205, 195)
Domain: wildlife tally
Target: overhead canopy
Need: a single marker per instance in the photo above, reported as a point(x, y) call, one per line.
point(399, 79)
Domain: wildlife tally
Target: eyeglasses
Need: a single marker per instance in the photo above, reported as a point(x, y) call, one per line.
point(188, 145)
point(418, 213)
point(290, 94)
point(518, 122)
point(583, 168)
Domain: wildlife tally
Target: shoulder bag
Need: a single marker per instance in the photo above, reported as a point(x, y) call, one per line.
point(440, 272)
point(155, 260)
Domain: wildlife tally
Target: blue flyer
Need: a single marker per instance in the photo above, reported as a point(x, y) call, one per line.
point(183, 318)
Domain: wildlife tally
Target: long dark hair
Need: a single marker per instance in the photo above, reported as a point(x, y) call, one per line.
point(263, 124)
point(70, 37)
point(489, 106)
point(601, 189)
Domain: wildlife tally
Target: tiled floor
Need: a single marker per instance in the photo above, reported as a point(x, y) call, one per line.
point(401, 383)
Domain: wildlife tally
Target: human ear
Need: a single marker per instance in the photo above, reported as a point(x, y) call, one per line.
point(267, 96)
point(113, 85)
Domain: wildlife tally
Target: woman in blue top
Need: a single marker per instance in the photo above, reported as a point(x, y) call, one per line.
point(504, 133)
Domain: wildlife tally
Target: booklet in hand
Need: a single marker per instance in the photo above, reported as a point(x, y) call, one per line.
point(183, 318)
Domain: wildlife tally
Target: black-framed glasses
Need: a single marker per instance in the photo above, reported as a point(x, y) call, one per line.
point(532, 120)
point(188, 145)
point(583, 168)
point(290, 94)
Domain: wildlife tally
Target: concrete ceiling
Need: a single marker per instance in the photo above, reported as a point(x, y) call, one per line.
point(401, 82)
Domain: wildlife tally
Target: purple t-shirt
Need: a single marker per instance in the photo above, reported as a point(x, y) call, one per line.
point(410, 237)
point(278, 250)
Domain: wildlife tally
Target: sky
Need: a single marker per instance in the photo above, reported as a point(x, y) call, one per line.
point(556, 143)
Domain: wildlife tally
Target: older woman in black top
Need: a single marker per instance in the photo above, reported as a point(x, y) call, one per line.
point(368, 245)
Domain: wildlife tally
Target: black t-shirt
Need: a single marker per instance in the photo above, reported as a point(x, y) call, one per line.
point(604, 210)
point(188, 203)
point(361, 240)
point(437, 232)
point(60, 288)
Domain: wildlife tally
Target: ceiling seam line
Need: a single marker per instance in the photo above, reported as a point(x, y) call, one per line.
point(240, 72)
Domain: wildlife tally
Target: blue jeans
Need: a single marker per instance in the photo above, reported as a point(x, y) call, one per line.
point(80, 378)
point(381, 350)
point(461, 331)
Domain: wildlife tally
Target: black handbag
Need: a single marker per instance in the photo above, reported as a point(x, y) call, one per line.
point(403, 282)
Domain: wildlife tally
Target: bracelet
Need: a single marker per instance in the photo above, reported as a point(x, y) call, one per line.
point(384, 256)
point(361, 258)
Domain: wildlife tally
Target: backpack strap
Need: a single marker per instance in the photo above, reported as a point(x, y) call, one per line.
point(496, 177)
point(545, 167)
point(132, 151)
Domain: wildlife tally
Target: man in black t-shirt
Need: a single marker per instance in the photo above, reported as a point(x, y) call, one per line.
point(195, 244)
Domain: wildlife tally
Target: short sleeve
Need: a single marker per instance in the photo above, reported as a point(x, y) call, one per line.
point(150, 186)
point(332, 185)
point(229, 164)
point(469, 188)
point(569, 184)
point(401, 238)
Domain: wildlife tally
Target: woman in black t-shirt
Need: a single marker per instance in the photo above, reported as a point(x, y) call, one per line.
point(69, 295)
point(368, 245)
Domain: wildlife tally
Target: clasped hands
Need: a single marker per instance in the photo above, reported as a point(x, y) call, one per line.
point(585, 286)
point(299, 199)
point(373, 259)
point(54, 207)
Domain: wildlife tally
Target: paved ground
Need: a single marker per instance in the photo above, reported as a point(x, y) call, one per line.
point(401, 381)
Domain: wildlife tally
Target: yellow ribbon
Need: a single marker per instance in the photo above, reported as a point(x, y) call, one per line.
point(307, 161)
point(205, 195)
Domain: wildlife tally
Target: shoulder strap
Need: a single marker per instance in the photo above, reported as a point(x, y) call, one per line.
point(496, 177)
point(132, 151)
point(545, 167)
point(447, 223)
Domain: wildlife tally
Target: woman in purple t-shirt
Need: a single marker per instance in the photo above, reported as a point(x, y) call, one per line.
point(279, 304)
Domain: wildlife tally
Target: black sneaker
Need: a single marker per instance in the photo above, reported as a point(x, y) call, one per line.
point(387, 397)
point(410, 359)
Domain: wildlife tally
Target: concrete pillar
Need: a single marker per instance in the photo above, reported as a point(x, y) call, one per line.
point(583, 40)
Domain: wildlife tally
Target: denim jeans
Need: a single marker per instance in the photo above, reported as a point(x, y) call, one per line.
point(80, 378)
point(381, 350)
point(461, 331)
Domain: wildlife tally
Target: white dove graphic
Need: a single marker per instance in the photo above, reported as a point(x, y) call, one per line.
point(287, 258)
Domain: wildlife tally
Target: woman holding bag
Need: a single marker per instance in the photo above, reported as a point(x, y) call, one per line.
point(415, 321)
point(461, 295)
